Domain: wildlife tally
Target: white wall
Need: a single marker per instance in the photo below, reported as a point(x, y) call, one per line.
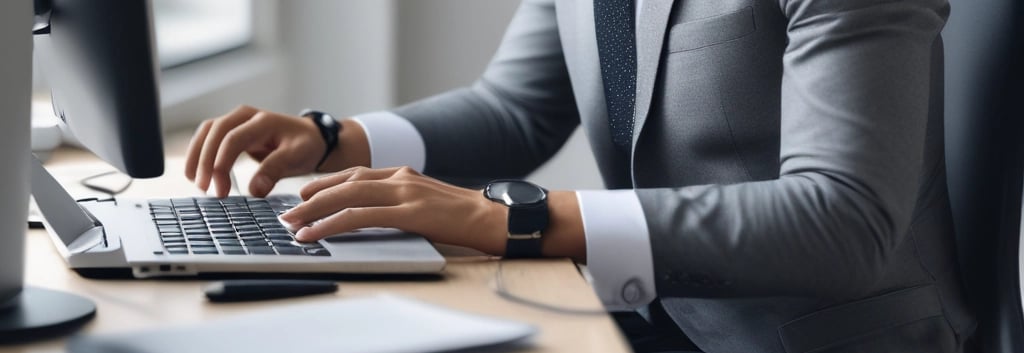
point(339, 54)
point(444, 44)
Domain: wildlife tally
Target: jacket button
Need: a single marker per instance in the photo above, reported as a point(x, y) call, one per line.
point(631, 292)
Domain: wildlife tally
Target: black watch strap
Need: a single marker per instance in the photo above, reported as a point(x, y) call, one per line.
point(329, 130)
point(525, 225)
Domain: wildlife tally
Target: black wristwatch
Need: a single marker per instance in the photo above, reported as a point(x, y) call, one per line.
point(527, 215)
point(329, 130)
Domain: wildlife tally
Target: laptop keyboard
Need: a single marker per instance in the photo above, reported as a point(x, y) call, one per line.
point(234, 225)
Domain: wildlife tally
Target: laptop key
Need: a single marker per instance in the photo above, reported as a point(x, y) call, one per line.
point(286, 243)
point(225, 243)
point(272, 226)
point(233, 250)
point(290, 251)
point(168, 229)
point(248, 228)
point(205, 251)
point(262, 251)
point(317, 251)
point(295, 243)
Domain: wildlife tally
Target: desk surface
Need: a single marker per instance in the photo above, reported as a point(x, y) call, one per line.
point(125, 305)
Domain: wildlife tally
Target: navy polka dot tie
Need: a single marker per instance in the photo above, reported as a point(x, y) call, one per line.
point(616, 46)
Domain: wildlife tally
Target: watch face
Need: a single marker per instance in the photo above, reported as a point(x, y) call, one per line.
point(513, 193)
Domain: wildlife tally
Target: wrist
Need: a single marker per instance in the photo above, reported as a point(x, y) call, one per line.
point(353, 148)
point(544, 223)
point(564, 236)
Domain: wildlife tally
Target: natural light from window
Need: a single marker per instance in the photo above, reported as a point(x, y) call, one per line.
point(188, 30)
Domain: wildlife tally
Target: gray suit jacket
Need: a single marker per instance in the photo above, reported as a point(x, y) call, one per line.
point(787, 154)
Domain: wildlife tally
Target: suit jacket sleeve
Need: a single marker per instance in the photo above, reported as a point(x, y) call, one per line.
point(515, 117)
point(855, 101)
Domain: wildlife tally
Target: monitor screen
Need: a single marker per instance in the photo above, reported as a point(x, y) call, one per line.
point(98, 59)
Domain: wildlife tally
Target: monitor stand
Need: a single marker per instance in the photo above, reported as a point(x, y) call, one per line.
point(27, 313)
point(39, 313)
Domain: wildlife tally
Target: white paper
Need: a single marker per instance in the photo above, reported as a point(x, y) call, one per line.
point(382, 323)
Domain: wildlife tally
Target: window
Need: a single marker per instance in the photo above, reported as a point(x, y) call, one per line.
point(188, 30)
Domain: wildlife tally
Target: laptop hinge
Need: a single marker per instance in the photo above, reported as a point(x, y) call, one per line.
point(65, 218)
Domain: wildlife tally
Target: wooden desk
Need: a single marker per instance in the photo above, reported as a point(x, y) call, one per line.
point(125, 305)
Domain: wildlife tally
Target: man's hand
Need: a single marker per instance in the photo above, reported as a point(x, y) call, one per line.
point(403, 198)
point(399, 198)
point(284, 145)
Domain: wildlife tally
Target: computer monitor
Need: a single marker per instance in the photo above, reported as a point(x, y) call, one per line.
point(98, 58)
point(99, 61)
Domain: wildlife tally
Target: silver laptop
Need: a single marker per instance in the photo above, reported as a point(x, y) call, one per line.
point(205, 235)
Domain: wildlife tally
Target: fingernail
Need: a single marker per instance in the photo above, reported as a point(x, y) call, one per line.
point(287, 221)
point(260, 184)
point(302, 234)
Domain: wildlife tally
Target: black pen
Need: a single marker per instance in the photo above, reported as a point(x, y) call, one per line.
point(261, 289)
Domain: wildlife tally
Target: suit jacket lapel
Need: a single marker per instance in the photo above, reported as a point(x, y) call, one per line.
point(651, 27)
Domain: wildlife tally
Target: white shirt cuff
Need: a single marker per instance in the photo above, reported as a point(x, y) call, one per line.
point(394, 141)
point(618, 248)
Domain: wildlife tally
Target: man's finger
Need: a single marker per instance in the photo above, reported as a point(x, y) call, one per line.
point(213, 140)
point(272, 169)
point(194, 147)
point(354, 218)
point(234, 143)
point(352, 194)
point(351, 174)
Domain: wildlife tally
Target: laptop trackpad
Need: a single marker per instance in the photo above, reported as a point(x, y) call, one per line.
point(371, 234)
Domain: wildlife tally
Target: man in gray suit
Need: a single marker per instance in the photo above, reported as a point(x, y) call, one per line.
point(776, 167)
